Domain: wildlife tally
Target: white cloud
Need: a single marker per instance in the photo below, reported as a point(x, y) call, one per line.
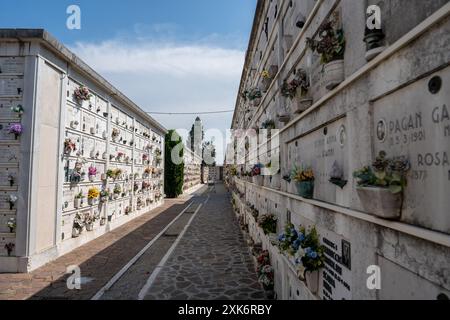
point(162, 58)
point(169, 77)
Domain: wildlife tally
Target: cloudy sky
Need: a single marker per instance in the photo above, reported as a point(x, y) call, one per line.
point(167, 56)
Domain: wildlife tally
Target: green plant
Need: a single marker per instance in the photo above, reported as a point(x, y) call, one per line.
point(331, 43)
point(268, 222)
point(385, 173)
point(301, 175)
point(311, 253)
point(174, 172)
point(287, 239)
point(289, 89)
point(79, 196)
point(254, 94)
point(117, 189)
point(268, 124)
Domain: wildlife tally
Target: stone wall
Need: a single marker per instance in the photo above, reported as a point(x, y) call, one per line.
point(68, 147)
point(192, 170)
point(391, 99)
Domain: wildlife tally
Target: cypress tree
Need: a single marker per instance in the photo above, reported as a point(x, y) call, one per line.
point(173, 173)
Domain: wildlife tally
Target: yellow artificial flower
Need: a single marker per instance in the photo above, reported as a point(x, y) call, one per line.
point(93, 193)
point(265, 74)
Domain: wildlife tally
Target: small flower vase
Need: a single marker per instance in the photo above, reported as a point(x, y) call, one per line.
point(91, 178)
point(73, 124)
point(92, 131)
point(305, 189)
point(380, 202)
point(11, 229)
point(16, 135)
point(104, 177)
point(312, 281)
point(91, 202)
point(77, 203)
point(102, 221)
point(104, 135)
point(92, 154)
point(284, 118)
point(104, 155)
point(266, 82)
point(75, 233)
point(256, 102)
point(334, 74)
point(90, 227)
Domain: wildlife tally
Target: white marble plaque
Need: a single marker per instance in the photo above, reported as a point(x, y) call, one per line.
point(5, 241)
point(102, 128)
point(320, 150)
point(415, 123)
point(4, 131)
point(5, 173)
point(73, 118)
point(336, 277)
point(10, 154)
point(88, 123)
point(5, 108)
point(12, 65)
point(71, 97)
point(4, 218)
point(114, 115)
point(68, 199)
point(88, 145)
point(11, 86)
point(129, 122)
point(102, 105)
point(4, 201)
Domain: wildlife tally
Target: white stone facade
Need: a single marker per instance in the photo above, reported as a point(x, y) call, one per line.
point(392, 99)
point(192, 170)
point(109, 133)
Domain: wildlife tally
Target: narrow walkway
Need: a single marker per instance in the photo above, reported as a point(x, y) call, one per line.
point(212, 260)
point(99, 260)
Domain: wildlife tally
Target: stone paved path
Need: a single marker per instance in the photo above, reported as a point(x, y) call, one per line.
point(99, 260)
point(212, 260)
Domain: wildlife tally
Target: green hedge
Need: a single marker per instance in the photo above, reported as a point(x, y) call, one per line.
point(174, 173)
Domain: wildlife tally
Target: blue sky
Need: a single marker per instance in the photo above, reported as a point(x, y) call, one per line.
point(166, 55)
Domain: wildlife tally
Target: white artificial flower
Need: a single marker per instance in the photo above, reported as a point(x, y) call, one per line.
point(301, 271)
point(13, 198)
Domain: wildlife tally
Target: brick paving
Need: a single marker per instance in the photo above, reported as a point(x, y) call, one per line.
point(212, 261)
point(99, 260)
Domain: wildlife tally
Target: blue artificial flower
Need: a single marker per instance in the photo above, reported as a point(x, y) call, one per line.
point(312, 254)
point(296, 244)
point(281, 237)
point(307, 251)
point(301, 236)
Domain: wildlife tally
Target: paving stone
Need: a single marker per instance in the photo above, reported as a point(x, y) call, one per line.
point(213, 256)
point(99, 259)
